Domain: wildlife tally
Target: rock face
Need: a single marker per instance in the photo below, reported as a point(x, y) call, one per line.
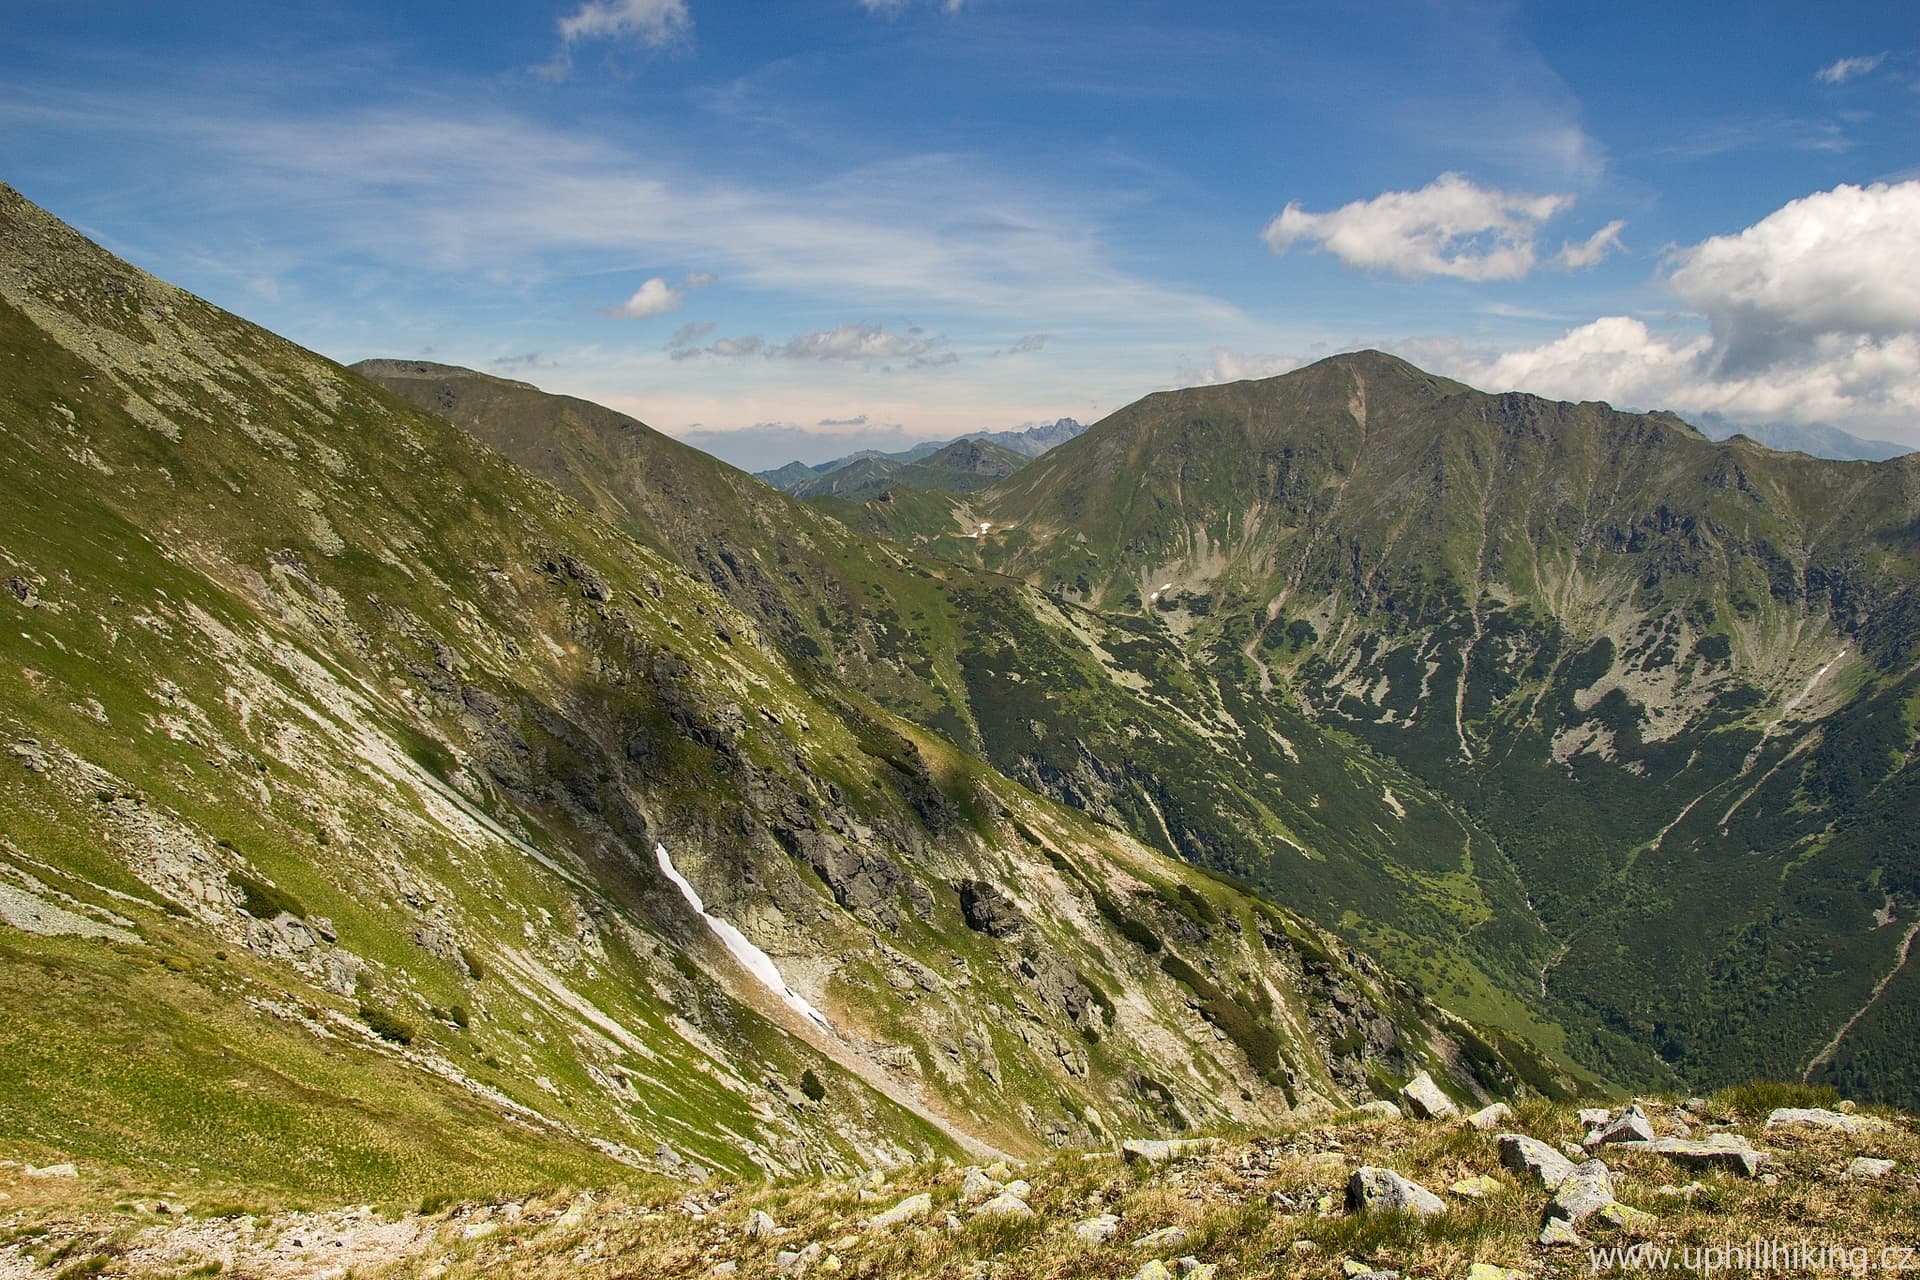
point(1375, 1190)
point(1425, 1100)
point(1534, 1159)
point(987, 909)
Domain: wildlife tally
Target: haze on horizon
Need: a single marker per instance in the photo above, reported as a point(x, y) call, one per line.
point(797, 230)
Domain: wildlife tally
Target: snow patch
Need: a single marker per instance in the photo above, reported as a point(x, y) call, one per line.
point(752, 958)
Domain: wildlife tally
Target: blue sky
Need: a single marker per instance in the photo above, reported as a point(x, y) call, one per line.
point(796, 227)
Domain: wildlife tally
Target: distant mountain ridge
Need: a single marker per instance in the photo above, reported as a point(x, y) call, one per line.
point(1028, 442)
point(1819, 441)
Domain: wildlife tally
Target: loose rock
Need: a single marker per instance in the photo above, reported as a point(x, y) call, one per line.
point(1155, 1151)
point(1583, 1193)
point(908, 1210)
point(1098, 1229)
point(1375, 1190)
point(1426, 1100)
point(1867, 1168)
point(1491, 1118)
point(1532, 1158)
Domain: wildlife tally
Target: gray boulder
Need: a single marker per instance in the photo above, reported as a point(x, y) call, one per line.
point(1632, 1126)
point(1375, 1190)
point(1582, 1193)
point(1819, 1118)
point(1727, 1151)
point(1490, 1118)
point(1154, 1151)
point(1425, 1100)
point(1532, 1158)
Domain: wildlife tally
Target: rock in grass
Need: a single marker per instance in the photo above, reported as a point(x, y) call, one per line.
point(977, 1186)
point(1478, 1187)
point(1582, 1193)
point(1096, 1230)
point(1626, 1217)
point(1375, 1190)
point(1004, 1206)
point(1194, 1269)
point(1532, 1158)
point(1426, 1100)
point(760, 1225)
point(1487, 1271)
point(1154, 1269)
point(1383, 1108)
point(1727, 1151)
point(1819, 1118)
point(53, 1171)
point(1632, 1126)
point(1164, 1240)
point(1490, 1118)
point(1558, 1232)
point(1869, 1169)
point(1594, 1117)
point(1154, 1151)
point(908, 1210)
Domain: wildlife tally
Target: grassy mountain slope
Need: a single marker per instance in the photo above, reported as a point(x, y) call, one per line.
point(1108, 713)
point(1673, 681)
point(344, 745)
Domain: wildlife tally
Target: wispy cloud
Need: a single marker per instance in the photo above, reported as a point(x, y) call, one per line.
point(846, 343)
point(858, 420)
point(652, 24)
point(893, 8)
point(1450, 227)
point(1844, 69)
point(655, 297)
point(504, 199)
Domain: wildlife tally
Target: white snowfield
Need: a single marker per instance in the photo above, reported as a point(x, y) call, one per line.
point(752, 958)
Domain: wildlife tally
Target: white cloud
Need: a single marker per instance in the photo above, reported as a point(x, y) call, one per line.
point(1841, 262)
point(655, 297)
point(1448, 228)
point(1226, 365)
point(1595, 247)
point(653, 23)
point(1844, 69)
point(1813, 316)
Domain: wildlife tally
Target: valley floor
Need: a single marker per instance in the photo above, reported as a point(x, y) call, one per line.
point(1831, 1193)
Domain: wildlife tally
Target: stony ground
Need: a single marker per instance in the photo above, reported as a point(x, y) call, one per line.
point(1798, 1182)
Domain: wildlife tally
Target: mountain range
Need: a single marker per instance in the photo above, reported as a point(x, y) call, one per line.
point(426, 781)
point(1018, 445)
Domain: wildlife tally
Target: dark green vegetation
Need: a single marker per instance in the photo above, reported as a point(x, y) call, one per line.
point(1666, 687)
point(339, 747)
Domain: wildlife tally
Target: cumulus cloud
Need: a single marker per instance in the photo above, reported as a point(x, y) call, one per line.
point(1844, 69)
point(845, 343)
point(652, 23)
point(1450, 227)
point(1813, 317)
point(655, 297)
